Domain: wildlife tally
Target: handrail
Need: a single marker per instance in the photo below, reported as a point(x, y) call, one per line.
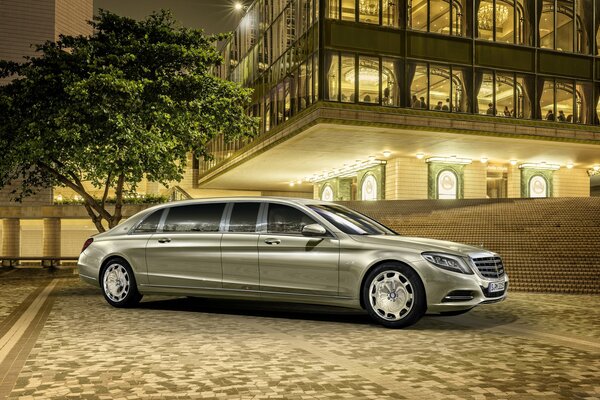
point(178, 193)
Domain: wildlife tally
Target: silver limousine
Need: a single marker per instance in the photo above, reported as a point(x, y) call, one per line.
point(288, 250)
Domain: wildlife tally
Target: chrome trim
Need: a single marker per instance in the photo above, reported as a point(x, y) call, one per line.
point(246, 291)
point(88, 277)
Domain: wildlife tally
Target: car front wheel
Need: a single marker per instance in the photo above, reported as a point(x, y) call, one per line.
point(394, 295)
point(118, 284)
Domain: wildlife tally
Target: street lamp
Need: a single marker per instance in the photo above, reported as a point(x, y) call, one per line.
point(238, 6)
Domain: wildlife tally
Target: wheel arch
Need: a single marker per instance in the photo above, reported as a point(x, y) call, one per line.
point(363, 280)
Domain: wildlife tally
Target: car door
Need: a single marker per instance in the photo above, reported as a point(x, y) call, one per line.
point(186, 252)
point(292, 263)
point(239, 246)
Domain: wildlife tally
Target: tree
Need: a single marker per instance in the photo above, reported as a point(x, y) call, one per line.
point(130, 101)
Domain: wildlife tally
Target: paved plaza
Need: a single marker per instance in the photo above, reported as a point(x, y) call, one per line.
point(59, 339)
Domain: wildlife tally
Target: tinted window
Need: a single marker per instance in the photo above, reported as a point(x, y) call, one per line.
point(194, 218)
point(243, 217)
point(150, 223)
point(351, 222)
point(285, 219)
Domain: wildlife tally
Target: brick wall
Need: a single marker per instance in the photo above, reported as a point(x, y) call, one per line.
point(71, 17)
point(571, 183)
point(475, 181)
point(405, 179)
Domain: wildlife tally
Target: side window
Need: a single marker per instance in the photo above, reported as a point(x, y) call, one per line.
point(150, 223)
point(195, 218)
point(286, 219)
point(243, 217)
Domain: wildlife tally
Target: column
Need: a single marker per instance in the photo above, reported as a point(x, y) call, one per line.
point(11, 240)
point(51, 240)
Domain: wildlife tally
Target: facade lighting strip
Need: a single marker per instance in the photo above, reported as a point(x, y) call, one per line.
point(346, 171)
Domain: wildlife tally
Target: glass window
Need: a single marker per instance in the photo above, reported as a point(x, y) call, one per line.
point(584, 103)
point(459, 99)
point(368, 11)
point(547, 100)
point(417, 14)
point(505, 21)
point(286, 219)
point(302, 87)
point(351, 222)
point(348, 12)
point(525, 89)
point(546, 24)
point(505, 95)
point(244, 217)
point(390, 13)
point(348, 81)
point(316, 81)
point(333, 9)
point(439, 90)
point(485, 20)
point(309, 82)
point(485, 96)
point(368, 79)
point(564, 26)
point(150, 223)
point(419, 83)
point(447, 184)
point(194, 218)
point(390, 71)
point(564, 101)
point(439, 16)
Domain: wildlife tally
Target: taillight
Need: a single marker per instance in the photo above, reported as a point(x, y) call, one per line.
point(87, 244)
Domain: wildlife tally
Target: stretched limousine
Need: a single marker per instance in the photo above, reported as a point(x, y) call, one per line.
point(288, 250)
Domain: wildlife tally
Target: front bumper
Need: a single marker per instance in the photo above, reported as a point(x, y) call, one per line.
point(451, 291)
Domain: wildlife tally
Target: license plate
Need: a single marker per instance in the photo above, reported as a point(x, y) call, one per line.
point(496, 287)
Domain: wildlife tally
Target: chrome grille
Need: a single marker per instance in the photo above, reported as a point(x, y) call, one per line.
point(489, 267)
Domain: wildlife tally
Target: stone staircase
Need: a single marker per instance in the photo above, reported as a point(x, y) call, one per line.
point(548, 245)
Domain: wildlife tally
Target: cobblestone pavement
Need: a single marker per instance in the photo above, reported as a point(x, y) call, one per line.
point(74, 345)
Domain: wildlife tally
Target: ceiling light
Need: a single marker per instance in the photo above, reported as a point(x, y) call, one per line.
point(292, 183)
point(483, 160)
point(387, 153)
point(420, 156)
point(541, 165)
point(569, 165)
point(513, 162)
point(596, 167)
point(238, 6)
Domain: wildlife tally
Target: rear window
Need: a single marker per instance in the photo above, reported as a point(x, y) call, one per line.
point(150, 223)
point(195, 218)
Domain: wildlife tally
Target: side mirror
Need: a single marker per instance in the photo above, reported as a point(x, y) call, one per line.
point(313, 230)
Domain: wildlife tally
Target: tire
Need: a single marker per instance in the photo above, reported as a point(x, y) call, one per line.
point(403, 308)
point(118, 284)
point(454, 313)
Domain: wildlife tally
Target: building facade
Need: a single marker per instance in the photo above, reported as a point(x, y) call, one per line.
point(416, 99)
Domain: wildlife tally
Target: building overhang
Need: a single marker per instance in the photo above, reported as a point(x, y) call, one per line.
point(328, 136)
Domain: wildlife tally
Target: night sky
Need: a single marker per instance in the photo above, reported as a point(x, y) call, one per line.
point(211, 15)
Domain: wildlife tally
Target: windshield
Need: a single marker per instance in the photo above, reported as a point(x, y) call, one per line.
point(351, 222)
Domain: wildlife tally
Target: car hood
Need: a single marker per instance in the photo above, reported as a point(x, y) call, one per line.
point(421, 244)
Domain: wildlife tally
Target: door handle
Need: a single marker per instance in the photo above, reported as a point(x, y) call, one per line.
point(164, 240)
point(272, 241)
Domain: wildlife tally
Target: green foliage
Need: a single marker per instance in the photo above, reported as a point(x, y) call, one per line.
point(129, 102)
point(137, 199)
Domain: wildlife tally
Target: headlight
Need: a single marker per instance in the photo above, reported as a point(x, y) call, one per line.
point(448, 262)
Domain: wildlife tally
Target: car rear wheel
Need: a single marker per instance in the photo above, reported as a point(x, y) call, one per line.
point(118, 284)
point(394, 295)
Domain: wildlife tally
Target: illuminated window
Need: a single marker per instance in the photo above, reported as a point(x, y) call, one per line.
point(447, 184)
point(348, 11)
point(327, 193)
point(368, 11)
point(332, 77)
point(368, 79)
point(439, 89)
point(369, 188)
point(347, 78)
point(389, 82)
point(419, 84)
point(538, 187)
point(485, 94)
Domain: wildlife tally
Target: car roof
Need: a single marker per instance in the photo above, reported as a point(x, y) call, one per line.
point(292, 200)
